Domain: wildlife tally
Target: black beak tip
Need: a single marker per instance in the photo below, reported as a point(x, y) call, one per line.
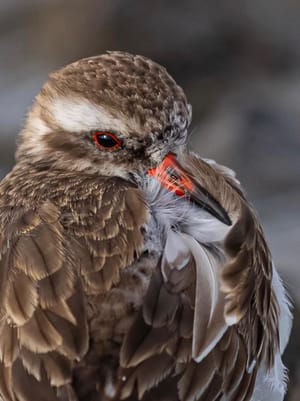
point(226, 219)
point(202, 198)
point(219, 213)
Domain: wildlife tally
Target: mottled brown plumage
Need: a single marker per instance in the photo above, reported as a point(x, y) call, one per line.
point(113, 287)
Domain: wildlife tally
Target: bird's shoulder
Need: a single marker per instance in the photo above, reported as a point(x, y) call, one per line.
point(103, 216)
point(35, 184)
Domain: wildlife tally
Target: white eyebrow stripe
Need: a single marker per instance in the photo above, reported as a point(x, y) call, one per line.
point(77, 115)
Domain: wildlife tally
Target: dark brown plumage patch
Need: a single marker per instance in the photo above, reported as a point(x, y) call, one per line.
point(72, 145)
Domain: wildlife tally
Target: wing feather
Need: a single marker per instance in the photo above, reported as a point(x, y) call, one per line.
point(246, 279)
point(9, 346)
point(21, 299)
point(160, 367)
point(118, 240)
point(176, 310)
point(43, 325)
point(25, 385)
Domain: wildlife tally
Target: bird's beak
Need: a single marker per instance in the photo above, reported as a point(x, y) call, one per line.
point(173, 177)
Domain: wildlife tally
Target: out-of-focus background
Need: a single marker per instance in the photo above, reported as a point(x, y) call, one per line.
point(237, 60)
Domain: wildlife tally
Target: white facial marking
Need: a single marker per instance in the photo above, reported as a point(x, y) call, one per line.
point(37, 125)
point(77, 115)
point(33, 135)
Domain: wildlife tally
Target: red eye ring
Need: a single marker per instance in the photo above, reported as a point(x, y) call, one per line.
point(106, 140)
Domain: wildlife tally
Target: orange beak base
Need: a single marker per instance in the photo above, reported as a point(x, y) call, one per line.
point(174, 178)
point(171, 176)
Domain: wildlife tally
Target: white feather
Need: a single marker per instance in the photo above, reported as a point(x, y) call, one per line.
point(170, 210)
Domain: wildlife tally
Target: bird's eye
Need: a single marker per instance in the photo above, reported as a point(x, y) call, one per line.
point(106, 140)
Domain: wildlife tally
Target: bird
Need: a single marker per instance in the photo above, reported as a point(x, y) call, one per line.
point(131, 268)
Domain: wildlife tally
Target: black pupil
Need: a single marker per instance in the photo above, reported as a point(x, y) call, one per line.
point(106, 141)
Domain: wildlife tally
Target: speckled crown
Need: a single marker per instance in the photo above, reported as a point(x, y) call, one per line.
point(132, 85)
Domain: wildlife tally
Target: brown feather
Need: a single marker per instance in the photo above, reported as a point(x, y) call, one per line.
point(71, 345)
point(21, 299)
point(9, 347)
point(6, 389)
point(40, 253)
point(39, 334)
point(160, 367)
point(32, 362)
point(196, 379)
point(58, 368)
point(56, 286)
point(24, 383)
point(183, 350)
point(142, 342)
point(214, 391)
point(245, 389)
point(160, 304)
point(232, 377)
point(63, 310)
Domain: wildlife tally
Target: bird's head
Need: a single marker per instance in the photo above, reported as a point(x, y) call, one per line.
point(114, 114)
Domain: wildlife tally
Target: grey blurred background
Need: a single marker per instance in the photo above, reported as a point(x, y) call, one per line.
point(239, 63)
